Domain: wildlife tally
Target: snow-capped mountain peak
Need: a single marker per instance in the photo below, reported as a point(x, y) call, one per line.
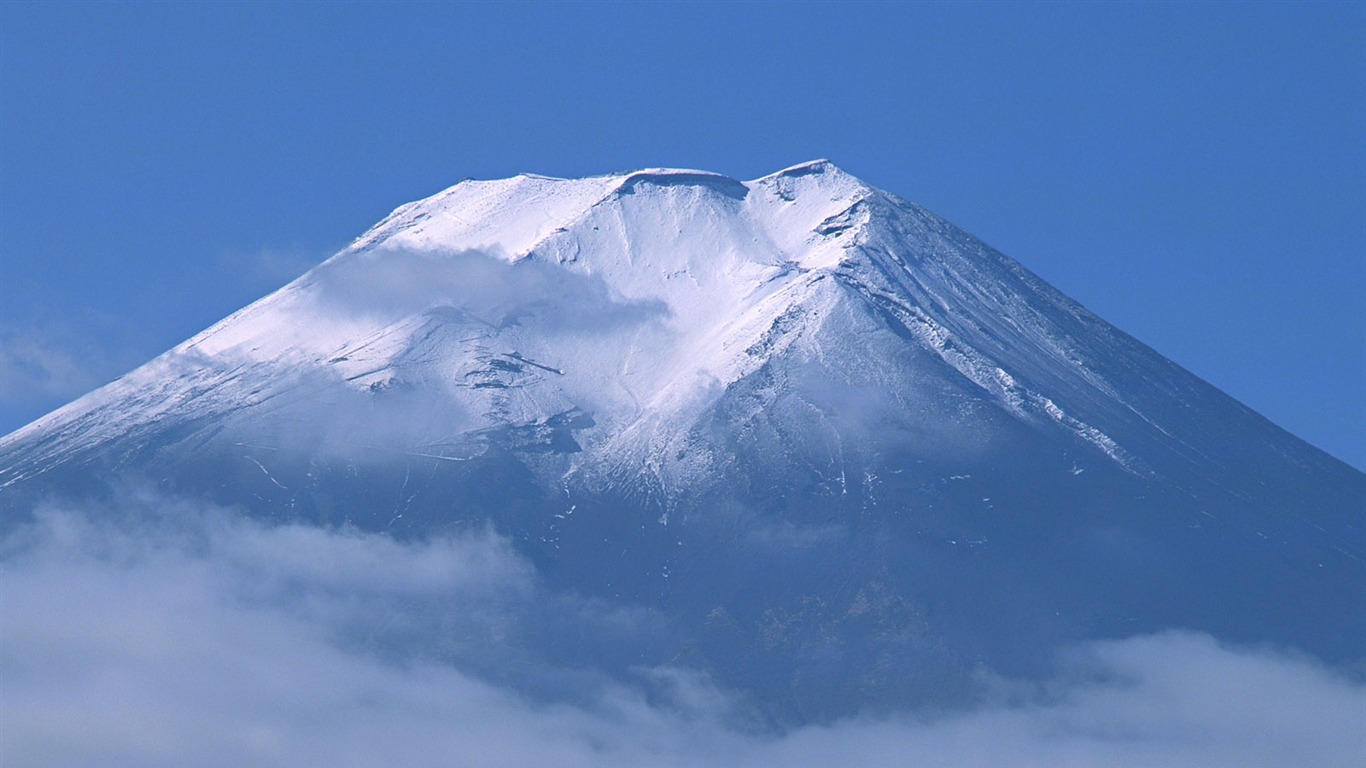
point(643, 297)
point(815, 431)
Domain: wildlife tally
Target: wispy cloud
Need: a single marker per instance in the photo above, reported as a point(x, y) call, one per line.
point(266, 269)
point(162, 633)
point(397, 282)
point(52, 360)
point(32, 368)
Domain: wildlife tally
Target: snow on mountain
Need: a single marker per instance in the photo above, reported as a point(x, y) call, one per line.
point(695, 268)
point(796, 413)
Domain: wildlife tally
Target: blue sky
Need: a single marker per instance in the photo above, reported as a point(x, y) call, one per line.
point(1196, 174)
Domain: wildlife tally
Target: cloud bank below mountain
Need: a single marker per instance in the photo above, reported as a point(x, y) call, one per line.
point(162, 632)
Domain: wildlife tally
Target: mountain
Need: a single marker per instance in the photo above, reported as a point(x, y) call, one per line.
point(842, 453)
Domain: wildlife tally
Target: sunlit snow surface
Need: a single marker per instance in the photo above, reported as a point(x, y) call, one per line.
point(795, 435)
point(639, 298)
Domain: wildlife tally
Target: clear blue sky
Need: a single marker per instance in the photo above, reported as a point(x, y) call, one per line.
point(1196, 174)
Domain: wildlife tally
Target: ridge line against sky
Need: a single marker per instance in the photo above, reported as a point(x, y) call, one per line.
point(1196, 175)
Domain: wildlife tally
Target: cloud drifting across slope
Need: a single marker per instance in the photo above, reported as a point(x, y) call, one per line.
point(164, 633)
point(393, 282)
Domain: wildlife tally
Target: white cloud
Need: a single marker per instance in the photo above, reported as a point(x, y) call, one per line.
point(267, 269)
point(34, 368)
point(51, 360)
point(191, 637)
point(392, 283)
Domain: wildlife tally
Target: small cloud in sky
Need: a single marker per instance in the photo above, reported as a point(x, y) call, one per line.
point(162, 633)
point(267, 269)
point(49, 358)
point(47, 363)
point(31, 368)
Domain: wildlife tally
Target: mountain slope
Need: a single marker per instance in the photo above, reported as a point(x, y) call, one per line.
point(844, 451)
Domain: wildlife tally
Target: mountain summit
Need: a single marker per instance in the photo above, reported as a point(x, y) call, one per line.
point(843, 452)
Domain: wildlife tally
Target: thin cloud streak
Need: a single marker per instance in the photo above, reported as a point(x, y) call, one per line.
point(48, 362)
point(193, 636)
